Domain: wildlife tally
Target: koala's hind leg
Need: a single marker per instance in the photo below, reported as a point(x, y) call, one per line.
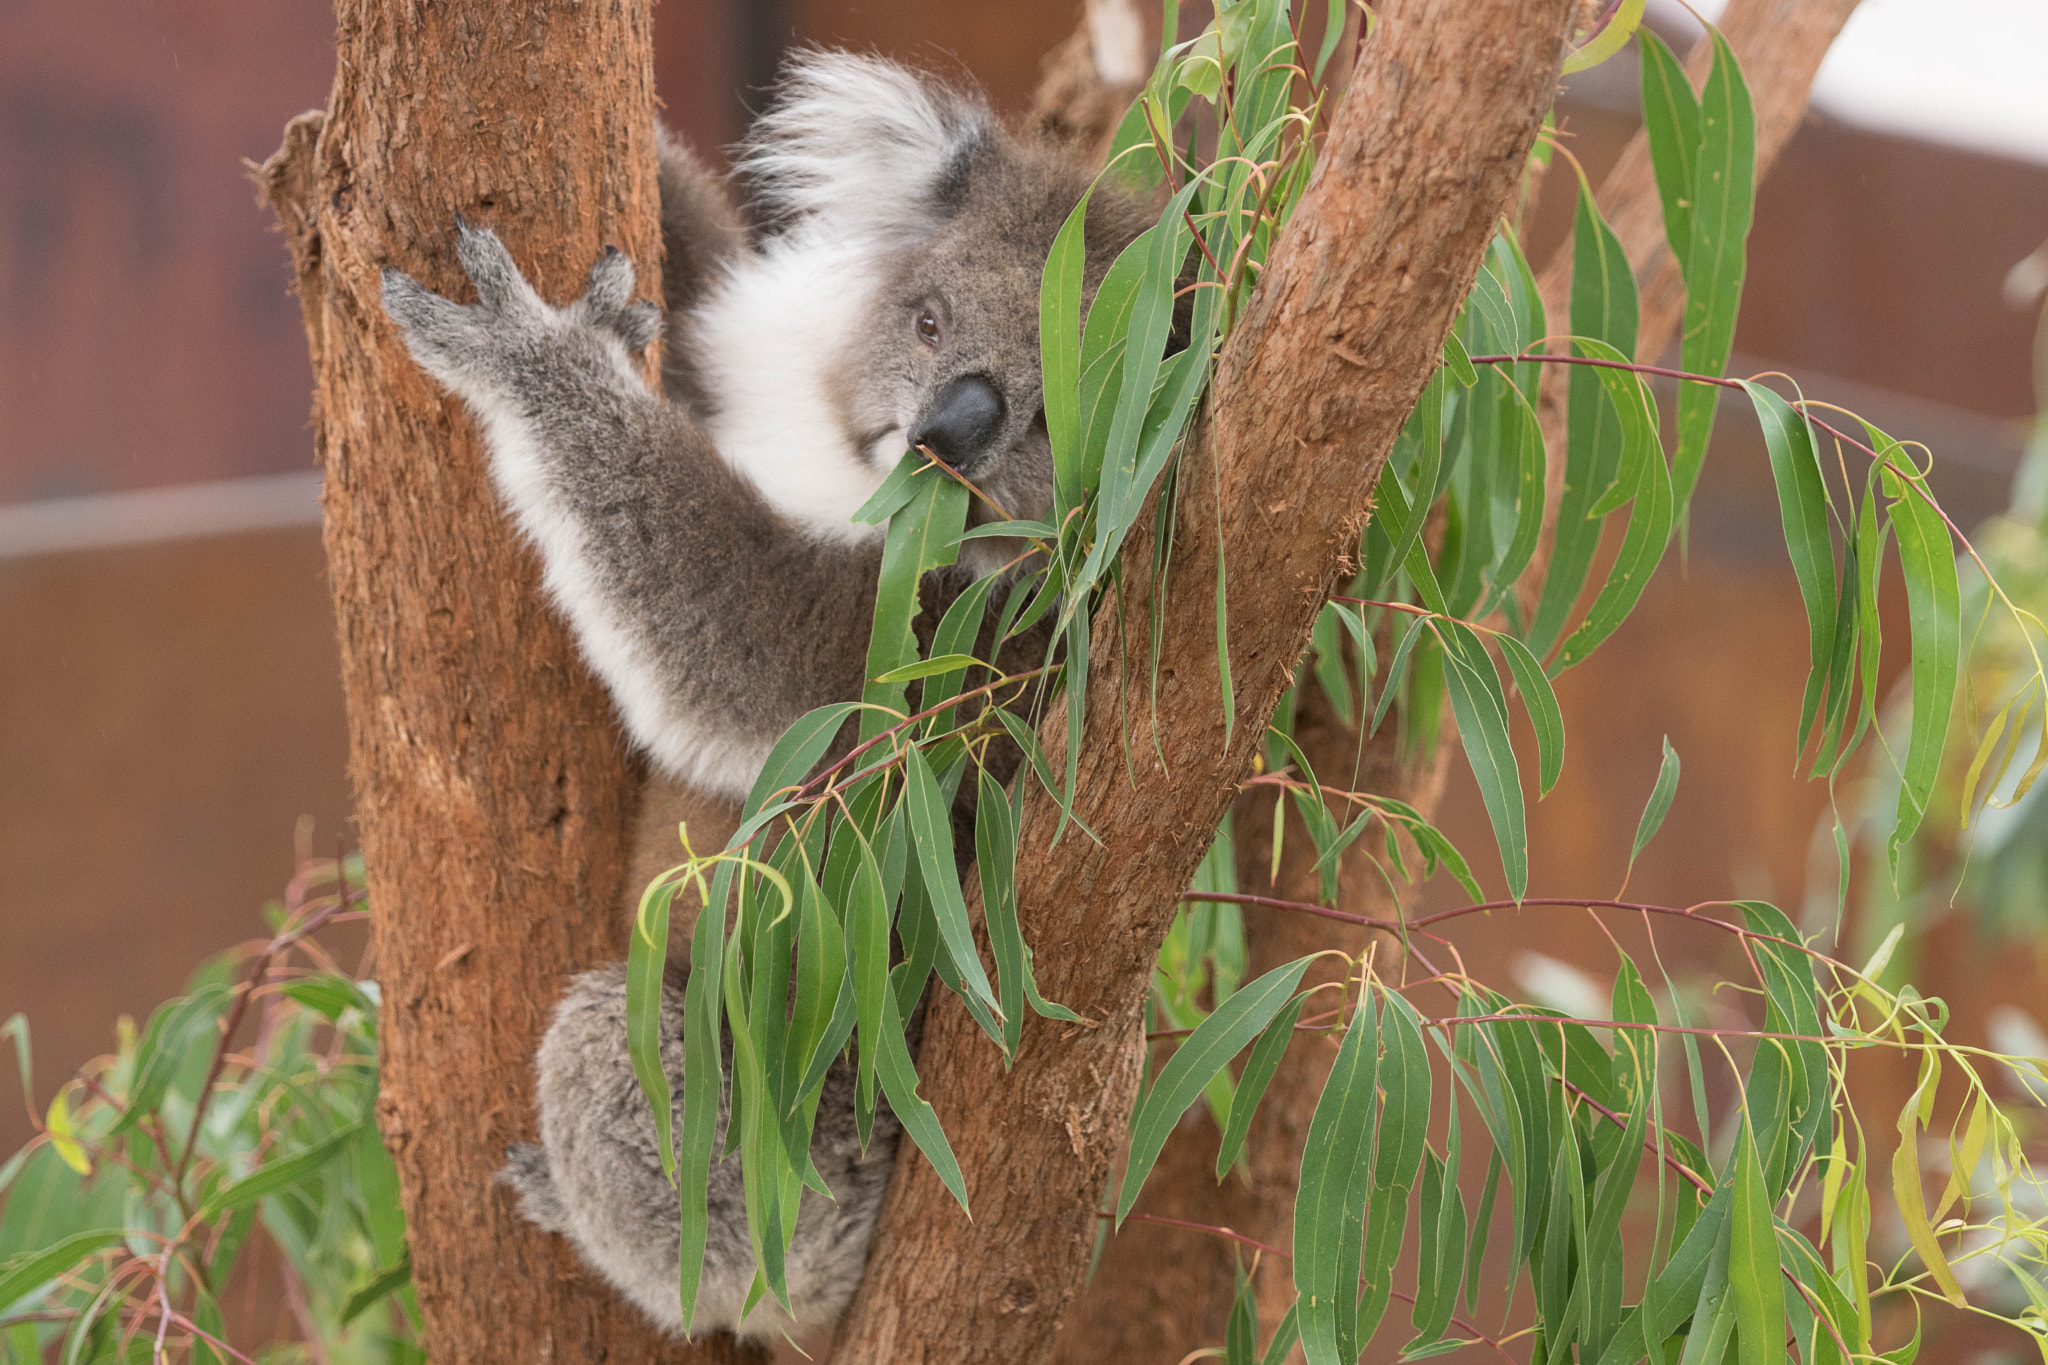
point(597, 1176)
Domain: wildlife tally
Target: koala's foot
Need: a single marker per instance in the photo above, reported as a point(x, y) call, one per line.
point(486, 348)
point(598, 1176)
point(526, 1170)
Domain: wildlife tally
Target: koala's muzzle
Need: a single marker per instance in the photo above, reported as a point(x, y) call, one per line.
point(961, 422)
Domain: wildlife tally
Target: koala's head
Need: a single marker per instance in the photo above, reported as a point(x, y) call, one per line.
point(951, 217)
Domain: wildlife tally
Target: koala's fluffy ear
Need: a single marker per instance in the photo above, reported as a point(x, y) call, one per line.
point(859, 145)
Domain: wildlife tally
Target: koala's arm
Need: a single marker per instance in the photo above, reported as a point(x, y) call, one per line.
point(714, 622)
point(701, 232)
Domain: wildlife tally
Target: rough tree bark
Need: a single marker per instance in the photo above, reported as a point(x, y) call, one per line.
point(1421, 160)
point(493, 791)
point(1162, 1291)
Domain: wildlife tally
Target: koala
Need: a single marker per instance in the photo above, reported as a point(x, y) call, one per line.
point(699, 541)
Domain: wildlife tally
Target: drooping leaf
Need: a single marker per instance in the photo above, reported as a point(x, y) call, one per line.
point(1659, 804)
point(1803, 510)
point(1251, 1085)
point(1200, 1056)
point(923, 535)
point(931, 828)
point(1540, 700)
point(1671, 123)
point(1755, 1287)
point(1933, 603)
point(25, 1273)
point(1329, 1209)
point(1651, 518)
point(1603, 308)
point(1481, 709)
point(1724, 192)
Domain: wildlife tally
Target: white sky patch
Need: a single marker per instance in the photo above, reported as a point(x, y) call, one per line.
point(1971, 73)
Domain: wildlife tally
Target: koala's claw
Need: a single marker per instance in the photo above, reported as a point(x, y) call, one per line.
point(608, 302)
point(474, 348)
point(499, 285)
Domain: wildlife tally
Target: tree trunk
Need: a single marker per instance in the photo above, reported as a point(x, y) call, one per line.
point(1160, 1292)
point(493, 792)
point(1341, 336)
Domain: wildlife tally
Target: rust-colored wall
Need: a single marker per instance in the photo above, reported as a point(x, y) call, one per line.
point(167, 715)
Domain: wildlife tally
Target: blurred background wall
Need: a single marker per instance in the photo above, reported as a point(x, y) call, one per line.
point(170, 721)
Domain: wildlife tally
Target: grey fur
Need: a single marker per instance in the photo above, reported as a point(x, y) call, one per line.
point(716, 609)
point(597, 1176)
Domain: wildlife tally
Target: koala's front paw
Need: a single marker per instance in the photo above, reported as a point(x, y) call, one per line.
point(484, 347)
point(608, 304)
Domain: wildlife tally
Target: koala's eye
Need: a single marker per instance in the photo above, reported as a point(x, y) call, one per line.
point(928, 327)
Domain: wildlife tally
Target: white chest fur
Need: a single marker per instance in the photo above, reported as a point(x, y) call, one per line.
point(763, 339)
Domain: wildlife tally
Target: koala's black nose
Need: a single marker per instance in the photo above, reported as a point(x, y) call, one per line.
point(961, 421)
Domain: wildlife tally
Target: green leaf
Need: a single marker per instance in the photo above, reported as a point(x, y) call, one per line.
point(1521, 442)
point(1650, 520)
point(1401, 1141)
point(1482, 712)
point(1755, 1287)
point(1671, 122)
point(383, 1284)
point(646, 966)
point(895, 491)
point(1459, 361)
point(1603, 308)
point(931, 829)
point(174, 1030)
point(1329, 1209)
point(1201, 1055)
point(689, 1163)
point(276, 1174)
point(1482, 1227)
point(925, 668)
point(1803, 509)
point(30, 1272)
point(822, 1014)
point(923, 535)
point(1400, 516)
point(1440, 1260)
point(1241, 1332)
point(16, 1028)
point(797, 752)
point(1332, 669)
point(1396, 666)
point(1933, 608)
point(330, 995)
point(1252, 1082)
point(1610, 39)
point(1724, 192)
point(920, 1124)
point(1059, 349)
point(1544, 716)
point(1659, 803)
point(1284, 1336)
point(955, 637)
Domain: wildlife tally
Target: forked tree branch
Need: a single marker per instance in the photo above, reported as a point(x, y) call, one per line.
point(1310, 391)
